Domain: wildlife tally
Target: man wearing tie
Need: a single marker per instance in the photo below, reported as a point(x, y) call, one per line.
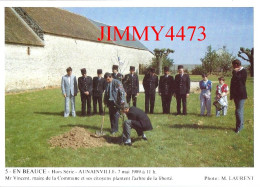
point(115, 73)
point(131, 85)
point(85, 87)
point(166, 90)
point(114, 98)
point(99, 85)
point(182, 90)
point(69, 90)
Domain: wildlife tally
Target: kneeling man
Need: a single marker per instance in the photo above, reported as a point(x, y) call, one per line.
point(138, 120)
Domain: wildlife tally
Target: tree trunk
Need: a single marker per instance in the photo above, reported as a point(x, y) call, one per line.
point(160, 66)
point(251, 69)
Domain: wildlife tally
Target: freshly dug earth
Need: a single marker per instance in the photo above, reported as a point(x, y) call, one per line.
point(76, 138)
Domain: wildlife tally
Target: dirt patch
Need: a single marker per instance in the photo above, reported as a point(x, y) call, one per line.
point(77, 137)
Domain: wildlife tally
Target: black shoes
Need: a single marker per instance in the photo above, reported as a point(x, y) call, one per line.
point(144, 137)
point(128, 144)
point(113, 133)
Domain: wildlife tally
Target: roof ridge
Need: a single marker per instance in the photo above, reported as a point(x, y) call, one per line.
point(29, 21)
point(31, 31)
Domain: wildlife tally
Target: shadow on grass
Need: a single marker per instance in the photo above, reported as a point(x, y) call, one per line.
point(159, 113)
point(195, 126)
point(175, 114)
point(51, 113)
point(85, 127)
point(78, 114)
point(118, 139)
point(113, 140)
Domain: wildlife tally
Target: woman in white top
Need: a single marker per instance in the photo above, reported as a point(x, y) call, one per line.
point(221, 96)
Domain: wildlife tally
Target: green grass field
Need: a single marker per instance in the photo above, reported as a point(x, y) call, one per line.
point(32, 118)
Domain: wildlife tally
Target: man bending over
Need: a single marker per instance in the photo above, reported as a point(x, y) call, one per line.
point(138, 120)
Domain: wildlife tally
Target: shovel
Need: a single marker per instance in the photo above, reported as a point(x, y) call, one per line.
point(101, 133)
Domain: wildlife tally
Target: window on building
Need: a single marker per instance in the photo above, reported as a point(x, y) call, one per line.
point(28, 50)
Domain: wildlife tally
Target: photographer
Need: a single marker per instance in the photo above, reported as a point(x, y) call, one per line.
point(238, 92)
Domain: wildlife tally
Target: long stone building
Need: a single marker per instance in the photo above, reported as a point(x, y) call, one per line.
point(40, 43)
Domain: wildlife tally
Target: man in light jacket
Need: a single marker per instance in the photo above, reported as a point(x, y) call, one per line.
point(69, 90)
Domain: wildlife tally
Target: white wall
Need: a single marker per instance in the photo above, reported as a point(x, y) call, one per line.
point(46, 65)
point(23, 71)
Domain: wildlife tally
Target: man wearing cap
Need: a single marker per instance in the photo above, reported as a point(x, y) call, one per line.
point(150, 83)
point(166, 90)
point(85, 88)
point(114, 98)
point(137, 120)
point(131, 85)
point(99, 85)
point(238, 92)
point(69, 90)
point(181, 90)
point(115, 73)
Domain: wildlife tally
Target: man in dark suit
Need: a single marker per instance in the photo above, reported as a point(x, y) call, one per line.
point(238, 92)
point(114, 98)
point(137, 120)
point(131, 85)
point(150, 83)
point(166, 90)
point(99, 85)
point(181, 90)
point(115, 73)
point(85, 88)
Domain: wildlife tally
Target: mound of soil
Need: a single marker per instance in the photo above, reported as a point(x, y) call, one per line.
point(77, 137)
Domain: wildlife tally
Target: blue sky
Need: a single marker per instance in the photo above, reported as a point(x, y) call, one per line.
point(232, 27)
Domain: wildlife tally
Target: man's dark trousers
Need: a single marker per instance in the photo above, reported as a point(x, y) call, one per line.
point(166, 103)
point(97, 99)
point(181, 98)
point(114, 116)
point(149, 100)
point(134, 98)
point(85, 99)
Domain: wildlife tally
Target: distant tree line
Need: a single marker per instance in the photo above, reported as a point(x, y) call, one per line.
point(214, 61)
point(220, 61)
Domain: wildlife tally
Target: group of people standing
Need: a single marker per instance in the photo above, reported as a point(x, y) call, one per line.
point(120, 90)
point(237, 92)
point(169, 86)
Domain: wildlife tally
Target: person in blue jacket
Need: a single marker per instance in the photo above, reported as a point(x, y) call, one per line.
point(114, 98)
point(205, 95)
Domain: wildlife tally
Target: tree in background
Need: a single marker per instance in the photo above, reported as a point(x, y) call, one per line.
point(198, 70)
point(215, 61)
point(250, 58)
point(160, 55)
point(225, 60)
point(210, 61)
point(166, 61)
